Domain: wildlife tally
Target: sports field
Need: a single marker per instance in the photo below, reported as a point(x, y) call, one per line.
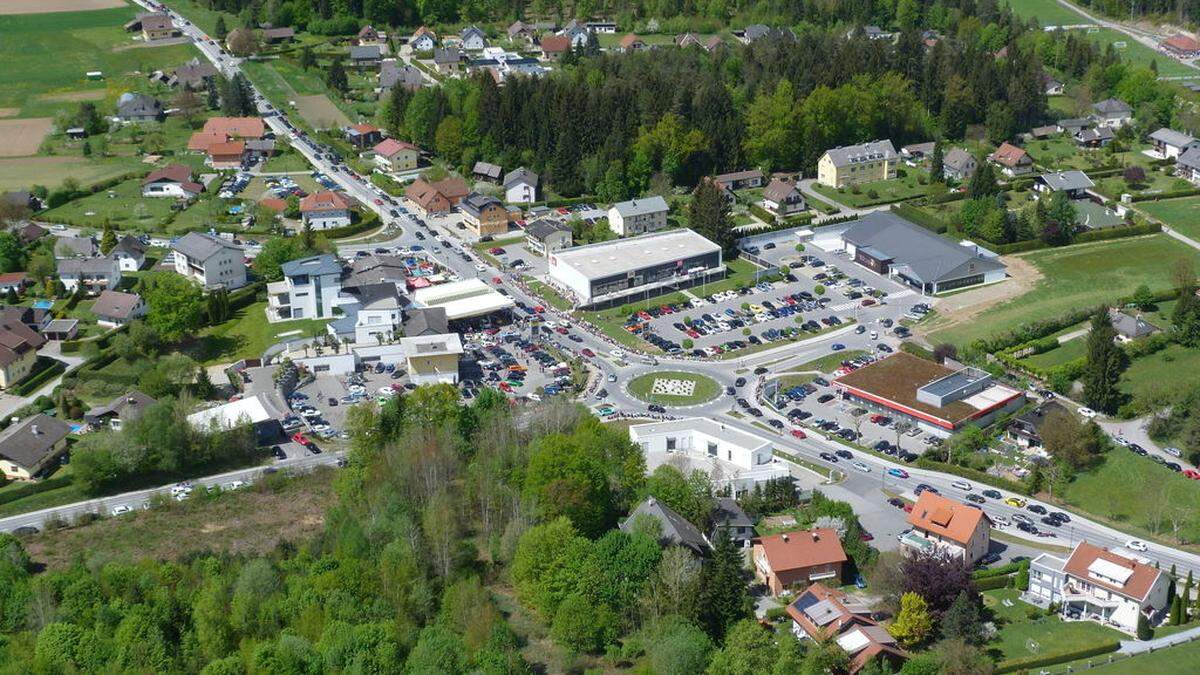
point(1139, 54)
point(1181, 214)
point(1077, 276)
point(46, 58)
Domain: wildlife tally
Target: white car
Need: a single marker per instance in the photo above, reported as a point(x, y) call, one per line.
point(479, 267)
point(121, 510)
point(1174, 452)
point(182, 495)
point(862, 467)
point(962, 485)
point(234, 485)
point(1087, 412)
point(1001, 520)
point(1135, 545)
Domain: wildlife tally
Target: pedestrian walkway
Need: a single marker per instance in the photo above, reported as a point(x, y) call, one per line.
point(1141, 647)
point(841, 307)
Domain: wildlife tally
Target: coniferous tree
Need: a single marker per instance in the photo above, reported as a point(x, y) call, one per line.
point(219, 30)
point(1105, 362)
point(336, 77)
point(108, 240)
point(709, 216)
point(724, 598)
point(307, 58)
point(937, 164)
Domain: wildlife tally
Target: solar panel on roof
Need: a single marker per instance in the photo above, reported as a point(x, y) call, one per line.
point(805, 601)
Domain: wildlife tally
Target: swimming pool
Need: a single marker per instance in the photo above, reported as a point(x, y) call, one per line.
point(43, 304)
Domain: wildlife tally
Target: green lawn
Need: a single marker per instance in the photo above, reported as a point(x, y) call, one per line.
point(46, 58)
point(202, 16)
point(829, 362)
point(1020, 636)
point(122, 205)
point(1047, 12)
point(1068, 351)
point(1181, 214)
point(706, 388)
point(1129, 491)
point(1061, 152)
point(1138, 54)
point(884, 191)
point(281, 80)
point(66, 494)
point(1073, 277)
point(549, 295)
point(1172, 366)
point(1156, 182)
point(1179, 660)
point(20, 172)
point(288, 160)
point(247, 335)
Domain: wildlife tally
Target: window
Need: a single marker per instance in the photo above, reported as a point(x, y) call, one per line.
point(670, 443)
point(712, 449)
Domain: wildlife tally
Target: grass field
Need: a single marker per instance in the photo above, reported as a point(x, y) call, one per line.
point(1047, 12)
point(1061, 152)
point(1173, 366)
point(1179, 660)
point(283, 82)
point(885, 191)
point(829, 362)
point(122, 205)
point(1021, 636)
point(247, 335)
point(1077, 276)
point(1139, 54)
point(47, 55)
point(71, 492)
point(706, 388)
point(20, 173)
point(1068, 351)
point(1181, 214)
point(1156, 182)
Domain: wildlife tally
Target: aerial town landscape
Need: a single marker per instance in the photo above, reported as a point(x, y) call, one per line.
point(374, 336)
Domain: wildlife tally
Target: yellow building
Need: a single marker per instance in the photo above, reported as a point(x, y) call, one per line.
point(432, 359)
point(855, 164)
point(31, 446)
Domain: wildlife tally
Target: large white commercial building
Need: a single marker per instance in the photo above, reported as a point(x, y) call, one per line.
point(464, 299)
point(729, 456)
point(609, 271)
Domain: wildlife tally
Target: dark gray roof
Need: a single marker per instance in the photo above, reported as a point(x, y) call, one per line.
point(449, 55)
point(475, 203)
point(1094, 134)
point(488, 169)
point(520, 175)
point(359, 52)
point(405, 76)
point(426, 321)
point(928, 257)
point(1172, 137)
point(138, 105)
point(863, 152)
point(78, 266)
point(200, 246)
point(545, 227)
point(1112, 106)
point(126, 406)
point(758, 31)
point(675, 528)
point(1190, 157)
point(925, 148)
point(66, 247)
point(116, 305)
point(1073, 123)
point(1131, 326)
point(1067, 180)
point(28, 443)
point(637, 207)
point(194, 72)
point(728, 512)
point(131, 246)
point(470, 31)
point(317, 264)
point(958, 159)
point(378, 296)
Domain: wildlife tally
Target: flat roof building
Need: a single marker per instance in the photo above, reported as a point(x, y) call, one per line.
point(606, 272)
point(938, 399)
point(729, 456)
point(465, 299)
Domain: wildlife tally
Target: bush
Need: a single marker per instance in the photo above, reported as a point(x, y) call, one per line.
point(1000, 571)
point(44, 370)
point(762, 214)
point(1033, 662)
point(923, 218)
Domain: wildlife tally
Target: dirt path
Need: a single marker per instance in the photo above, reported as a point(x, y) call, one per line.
point(964, 307)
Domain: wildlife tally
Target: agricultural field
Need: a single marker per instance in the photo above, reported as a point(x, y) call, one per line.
point(1139, 54)
point(1182, 214)
point(1073, 277)
point(17, 174)
point(283, 83)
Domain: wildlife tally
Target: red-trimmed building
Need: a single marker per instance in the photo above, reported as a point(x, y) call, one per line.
point(938, 399)
point(1181, 46)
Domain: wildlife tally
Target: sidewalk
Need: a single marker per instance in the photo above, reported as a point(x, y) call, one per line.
point(1138, 647)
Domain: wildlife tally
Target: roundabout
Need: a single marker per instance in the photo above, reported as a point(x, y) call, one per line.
point(674, 388)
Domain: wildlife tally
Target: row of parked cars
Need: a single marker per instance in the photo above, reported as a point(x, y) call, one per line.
point(1174, 452)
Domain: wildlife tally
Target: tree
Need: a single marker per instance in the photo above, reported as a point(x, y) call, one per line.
point(175, 305)
point(675, 646)
point(926, 663)
point(1001, 123)
point(1143, 298)
point(89, 119)
point(108, 240)
point(689, 496)
point(709, 216)
point(1143, 628)
point(188, 104)
point(962, 620)
point(12, 255)
point(219, 30)
point(564, 479)
point(1134, 175)
point(724, 597)
point(943, 351)
point(937, 164)
point(336, 78)
point(1070, 440)
point(583, 627)
point(1057, 218)
point(1105, 363)
point(939, 579)
point(958, 657)
point(983, 182)
point(772, 129)
point(748, 649)
point(242, 41)
point(307, 59)
point(913, 624)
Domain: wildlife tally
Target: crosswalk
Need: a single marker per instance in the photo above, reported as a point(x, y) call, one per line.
point(903, 293)
point(843, 306)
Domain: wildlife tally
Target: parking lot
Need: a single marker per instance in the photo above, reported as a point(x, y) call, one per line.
point(514, 255)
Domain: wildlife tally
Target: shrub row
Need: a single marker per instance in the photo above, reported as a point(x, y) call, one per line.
point(972, 474)
point(762, 214)
point(1031, 662)
point(1083, 237)
point(368, 223)
point(1003, 570)
point(992, 583)
point(922, 218)
point(24, 490)
point(1170, 194)
point(39, 378)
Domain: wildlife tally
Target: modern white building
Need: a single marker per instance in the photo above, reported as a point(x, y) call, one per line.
point(309, 289)
point(263, 411)
point(210, 261)
point(1110, 586)
point(638, 216)
point(432, 359)
point(729, 456)
point(371, 314)
point(608, 271)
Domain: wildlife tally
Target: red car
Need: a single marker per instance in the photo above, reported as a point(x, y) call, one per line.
point(539, 309)
point(496, 251)
point(867, 302)
point(497, 280)
point(300, 438)
point(1192, 473)
point(799, 433)
point(866, 536)
point(588, 353)
point(560, 330)
point(378, 202)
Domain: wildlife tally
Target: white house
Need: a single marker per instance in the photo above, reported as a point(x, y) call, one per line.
point(520, 186)
point(948, 527)
point(1170, 144)
point(1113, 113)
point(114, 308)
point(210, 261)
point(130, 253)
point(423, 40)
point(729, 456)
point(783, 198)
point(473, 39)
point(94, 274)
point(309, 289)
point(325, 210)
point(432, 359)
point(1110, 586)
point(371, 314)
point(638, 216)
point(171, 181)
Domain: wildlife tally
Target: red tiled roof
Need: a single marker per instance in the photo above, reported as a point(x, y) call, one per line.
point(176, 173)
point(274, 204)
point(390, 146)
point(555, 44)
point(802, 549)
point(1137, 586)
point(1009, 155)
point(945, 517)
point(9, 278)
point(1182, 43)
point(629, 40)
point(325, 200)
point(200, 141)
point(227, 149)
point(364, 128)
point(236, 127)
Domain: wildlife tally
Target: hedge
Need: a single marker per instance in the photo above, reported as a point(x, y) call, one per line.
point(245, 296)
point(1031, 662)
point(15, 492)
point(1003, 570)
point(1083, 238)
point(1170, 194)
point(978, 476)
point(922, 218)
point(38, 378)
point(992, 583)
point(368, 223)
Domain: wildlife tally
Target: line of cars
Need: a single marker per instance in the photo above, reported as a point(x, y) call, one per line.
point(1174, 452)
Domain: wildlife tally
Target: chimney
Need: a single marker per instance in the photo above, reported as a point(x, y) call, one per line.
point(651, 501)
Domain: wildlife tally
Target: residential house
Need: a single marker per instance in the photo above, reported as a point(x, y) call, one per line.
point(473, 39)
point(114, 308)
point(554, 46)
point(519, 30)
point(30, 447)
point(373, 314)
point(874, 33)
point(423, 40)
point(133, 107)
point(432, 359)
point(1111, 586)
point(1181, 46)
point(1094, 137)
point(915, 153)
point(438, 197)
point(174, 180)
point(424, 321)
point(391, 74)
point(1026, 430)
point(638, 216)
point(1130, 327)
point(713, 43)
point(195, 74)
point(19, 344)
point(863, 163)
point(1170, 144)
point(1043, 132)
point(74, 246)
point(1052, 86)
point(631, 43)
point(30, 232)
point(273, 36)
point(1112, 112)
point(959, 165)
point(366, 57)
point(119, 411)
point(1013, 161)
point(363, 136)
point(392, 155)
point(325, 210)
point(487, 172)
point(309, 289)
point(728, 517)
point(1074, 183)
point(1187, 166)
point(448, 61)
point(155, 26)
point(14, 282)
point(793, 560)
point(544, 236)
point(32, 318)
point(758, 31)
point(367, 35)
point(576, 33)
point(1071, 125)
point(235, 127)
point(93, 274)
point(484, 215)
point(944, 526)
point(130, 253)
point(227, 155)
point(609, 27)
point(674, 529)
point(211, 261)
point(783, 198)
point(740, 180)
point(823, 613)
point(520, 186)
